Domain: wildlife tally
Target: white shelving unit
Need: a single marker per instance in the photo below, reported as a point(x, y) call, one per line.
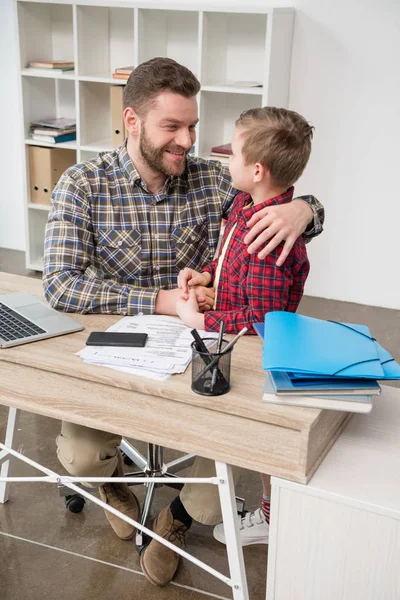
point(247, 42)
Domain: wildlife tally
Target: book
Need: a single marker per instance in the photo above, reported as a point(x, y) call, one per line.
point(58, 123)
point(124, 70)
point(286, 383)
point(51, 64)
point(359, 403)
point(53, 132)
point(120, 76)
point(224, 149)
point(50, 139)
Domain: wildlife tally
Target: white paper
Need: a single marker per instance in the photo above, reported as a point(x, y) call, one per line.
point(167, 350)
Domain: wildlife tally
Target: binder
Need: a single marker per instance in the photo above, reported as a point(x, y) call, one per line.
point(308, 346)
point(118, 133)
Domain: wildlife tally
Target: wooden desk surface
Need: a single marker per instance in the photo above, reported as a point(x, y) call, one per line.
point(47, 378)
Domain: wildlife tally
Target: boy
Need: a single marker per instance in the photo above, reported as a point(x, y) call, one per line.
point(270, 149)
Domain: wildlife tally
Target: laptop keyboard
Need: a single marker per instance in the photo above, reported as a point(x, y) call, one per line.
point(14, 326)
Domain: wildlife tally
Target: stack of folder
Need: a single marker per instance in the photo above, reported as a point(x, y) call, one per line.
point(322, 364)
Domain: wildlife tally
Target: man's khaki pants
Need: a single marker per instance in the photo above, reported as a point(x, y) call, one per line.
point(86, 452)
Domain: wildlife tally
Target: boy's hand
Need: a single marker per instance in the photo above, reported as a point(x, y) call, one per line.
point(189, 278)
point(204, 296)
point(188, 311)
point(278, 223)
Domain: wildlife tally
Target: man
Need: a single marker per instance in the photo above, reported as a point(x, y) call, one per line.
point(120, 229)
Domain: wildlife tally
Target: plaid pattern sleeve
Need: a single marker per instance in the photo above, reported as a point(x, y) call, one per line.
point(249, 287)
point(316, 226)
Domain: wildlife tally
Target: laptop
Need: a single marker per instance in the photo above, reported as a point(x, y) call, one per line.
point(25, 319)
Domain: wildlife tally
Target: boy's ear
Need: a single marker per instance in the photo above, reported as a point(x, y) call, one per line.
point(259, 172)
point(132, 121)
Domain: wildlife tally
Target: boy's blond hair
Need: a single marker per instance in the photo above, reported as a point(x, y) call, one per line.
point(277, 138)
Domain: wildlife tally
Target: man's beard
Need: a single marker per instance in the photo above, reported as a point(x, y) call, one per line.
point(155, 157)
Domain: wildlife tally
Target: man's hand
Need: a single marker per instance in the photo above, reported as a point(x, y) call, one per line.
point(189, 278)
point(278, 223)
point(188, 310)
point(166, 301)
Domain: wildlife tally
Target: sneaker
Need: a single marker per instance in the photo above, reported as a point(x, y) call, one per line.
point(254, 529)
point(159, 563)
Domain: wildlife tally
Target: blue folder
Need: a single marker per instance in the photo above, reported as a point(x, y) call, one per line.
point(311, 347)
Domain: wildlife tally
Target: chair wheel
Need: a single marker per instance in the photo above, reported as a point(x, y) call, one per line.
point(127, 460)
point(74, 503)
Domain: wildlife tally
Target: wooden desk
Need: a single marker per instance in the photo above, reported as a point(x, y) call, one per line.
point(47, 378)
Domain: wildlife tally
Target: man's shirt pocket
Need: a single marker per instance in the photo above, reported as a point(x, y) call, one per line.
point(119, 253)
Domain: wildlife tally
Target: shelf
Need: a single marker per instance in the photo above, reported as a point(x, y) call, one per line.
point(228, 89)
point(69, 145)
point(99, 146)
point(49, 73)
point(39, 207)
point(220, 42)
point(102, 78)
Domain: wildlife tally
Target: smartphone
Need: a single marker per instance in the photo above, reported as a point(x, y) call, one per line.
point(116, 338)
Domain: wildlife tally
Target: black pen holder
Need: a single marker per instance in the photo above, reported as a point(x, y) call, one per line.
point(214, 381)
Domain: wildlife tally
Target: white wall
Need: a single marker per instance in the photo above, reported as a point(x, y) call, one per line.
point(346, 80)
point(12, 219)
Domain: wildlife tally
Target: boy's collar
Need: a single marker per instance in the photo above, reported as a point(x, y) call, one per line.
point(248, 212)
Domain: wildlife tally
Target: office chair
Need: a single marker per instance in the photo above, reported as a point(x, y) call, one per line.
point(153, 466)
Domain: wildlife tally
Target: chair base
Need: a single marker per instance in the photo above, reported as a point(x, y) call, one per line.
point(152, 466)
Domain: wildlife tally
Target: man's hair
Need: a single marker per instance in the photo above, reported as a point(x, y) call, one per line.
point(154, 76)
point(277, 138)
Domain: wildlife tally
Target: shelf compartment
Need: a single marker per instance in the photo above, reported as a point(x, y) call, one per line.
point(47, 98)
point(170, 33)
point(94, 100)
point(225, 89)
point(233, 48)
point(105, 40)
point(45, 31)
point(218, 113)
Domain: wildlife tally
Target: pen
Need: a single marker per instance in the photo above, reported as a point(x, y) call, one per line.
point(200, 346)
point(226, 349)
point(219, 347)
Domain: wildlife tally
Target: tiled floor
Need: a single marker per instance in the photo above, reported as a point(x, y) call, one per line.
point(47, 552)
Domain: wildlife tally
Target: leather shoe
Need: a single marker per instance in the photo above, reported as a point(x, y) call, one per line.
point(159, 563)
point(120, 497)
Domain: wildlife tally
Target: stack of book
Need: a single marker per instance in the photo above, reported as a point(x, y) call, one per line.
point(322, 364)
point(52, 65)
point(122, 73)
point(222, 152)
point(53, 131)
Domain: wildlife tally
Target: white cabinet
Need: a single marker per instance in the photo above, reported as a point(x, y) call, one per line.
point(338, 537)
point(222, 44)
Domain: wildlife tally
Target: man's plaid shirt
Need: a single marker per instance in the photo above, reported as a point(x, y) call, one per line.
point(249, 287)
point(111, 244)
